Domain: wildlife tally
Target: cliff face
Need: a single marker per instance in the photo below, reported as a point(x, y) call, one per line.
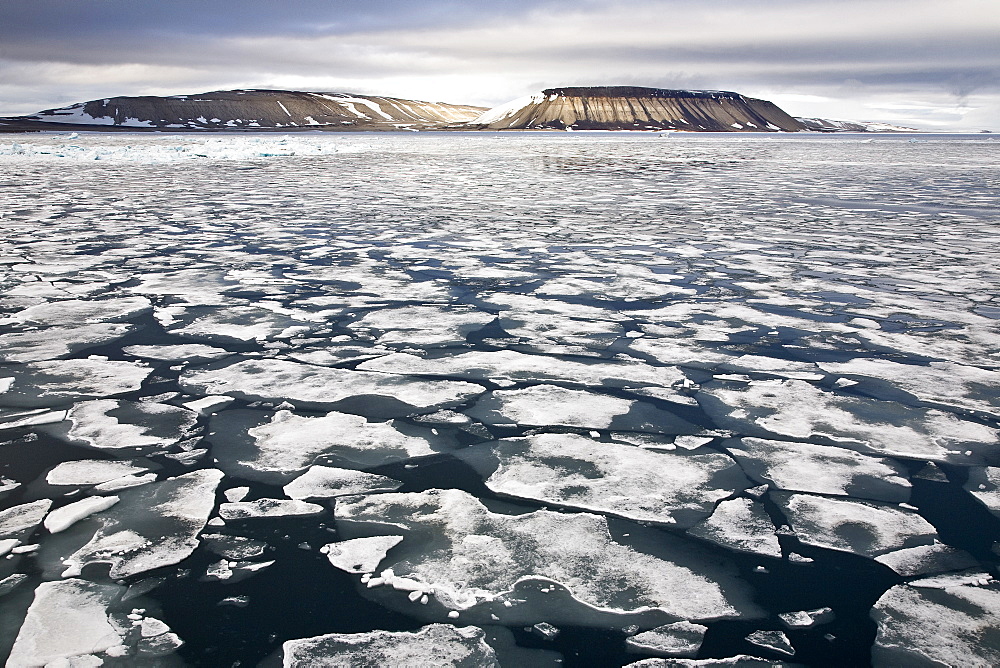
point(256, 109)
point(635, 108)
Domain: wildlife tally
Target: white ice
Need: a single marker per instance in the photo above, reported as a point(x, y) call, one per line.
point(742, 525)
point(680, 639)
point(360, 555)
point(63, 518)
point(83, 472)
point(326, 482)
point(242, 510)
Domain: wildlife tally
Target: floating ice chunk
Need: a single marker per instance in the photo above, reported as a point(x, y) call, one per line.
point(21, 518)
point(287, 444)
point(208, 405)
point(510, 366)
point(578, 472)
point(325, 482)
point(560, 333)
point(947, 627)
point(233, 547)
point(820, 469)
point(183, 352)
point(95, 471)
point(773, 366)
point(469, 555)
point(984, 484)
point(66, 619)
point(151, 626)
point(681, 639)
point(433, 645)
point(738, 661)
point(62, 381)
point(125, 482)
point(8, 544)
point(949, 580)
point(11, 582)
point(804, 619)
point(941, 383)
point(233, 323)
point(360, 555)
point(924, 559)
point(81, 311)
point(154, 525)
point(864, 528)
point(53, 342)
point(423, 325)
point(317, 387)
point(14, 417)
point(548, 405)
point(242, 510)
point(742, 525)
point(235, 494)
point(801, 411)
point(773, 640)
point(110, 424)
point(680, 352)
point(63, 518)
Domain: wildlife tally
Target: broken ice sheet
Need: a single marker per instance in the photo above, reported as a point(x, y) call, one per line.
point(984, 484)
point(309, 386)
point(49, 343)
point(741, 525)
point(954, 626)
point(152, 526)
point(798, 410)
point(550, 405)
point(115, 425)
point(676, 489)
point(820, 469)
point(433, 645)
point(276, 447)
point(325, 482)
point(864, 528)
point(680, 639)
point(62, 381)
point(80, 311)
point(507, 367)
point(234, 323)
point(469, 556)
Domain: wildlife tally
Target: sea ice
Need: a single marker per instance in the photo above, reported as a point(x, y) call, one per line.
point(549, 405)
point(468, 555)
point(154, 525)
point(804, 619)
point(80, 311)
point(277, 449)
point(67, 619)
point(63, 518)
point(433, 645)
point(798, 410)
point(62, 381)
point(360, 555)
point(680, 639)
point(820, 469)
point(49, 343)
point(635, 483)
point(379, 394)
point(21, 518)
point(773, 640)
point(984, 484)
point(110, 424)
point(956, 626)
point(234, 323)
point(180, 352)
point(740, 524)
point(422, 325)
point(326, 482)
point(864, 528)
point(242, 510)
point(925, 559)
point(84, 472)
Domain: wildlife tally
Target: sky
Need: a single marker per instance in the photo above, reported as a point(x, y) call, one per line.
point(928, 64)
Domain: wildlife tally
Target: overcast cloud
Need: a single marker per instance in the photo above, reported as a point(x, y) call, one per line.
point(924, 63)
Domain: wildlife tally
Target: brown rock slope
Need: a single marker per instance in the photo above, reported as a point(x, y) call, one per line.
point(636, 108)
point(253, 110)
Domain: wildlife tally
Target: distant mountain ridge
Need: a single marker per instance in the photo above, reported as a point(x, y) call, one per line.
point(561, 108)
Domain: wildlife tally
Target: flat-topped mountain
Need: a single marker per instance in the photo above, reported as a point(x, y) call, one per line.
point(252, 109)
point(638, 108)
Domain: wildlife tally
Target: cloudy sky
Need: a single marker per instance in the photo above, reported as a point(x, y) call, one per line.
point(925, 63)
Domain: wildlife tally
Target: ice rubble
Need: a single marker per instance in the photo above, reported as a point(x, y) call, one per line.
point(319, 387)
point(680, 639)
point(577, 472)
point(66, 620)
point(506, 367)
point(550, 405)
point(433, 645)
point(820, 469)
point(275, 448)
point(864, 528)
point(469, 556)
point(62, 381)
point(741, 525)
point(325, 482)
point(154, 525)
point(954, 626)
point(110, 424)
point(798, 410)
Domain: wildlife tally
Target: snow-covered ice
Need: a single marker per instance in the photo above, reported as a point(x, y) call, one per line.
point(325, 482)
point(680, 639)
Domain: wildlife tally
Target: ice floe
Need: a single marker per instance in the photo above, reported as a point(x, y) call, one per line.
point(49, 343)
point(83, 472)
point(680, 639)
point(578, 472)
point(422, 325)
point(244, 510)
point(153, 526)
point(326, 482)
point(63, 518)
point(179, 352)
point(377, 394)
point(984, 484)
point(861, 527)
point(109, 424)
point(360, 555)
point(820, 469)
point(925, 559)
point(776, 641)
point(62, 381)
point(468, 555)
point(742, 525)
point(20, 519)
